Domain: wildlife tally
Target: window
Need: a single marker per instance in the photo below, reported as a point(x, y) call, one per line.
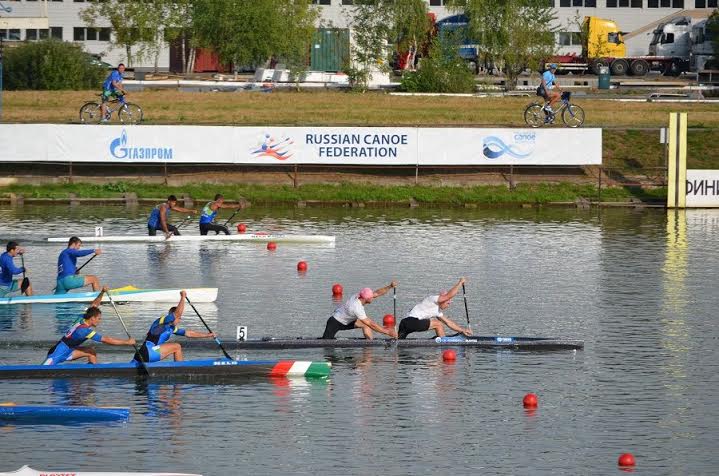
point(678, 4)
point(436, 3)
point(90, 34)
point(665, 3)
point(10, 35)
point(56, 32)
point(667, 38)
point(652, 3)
point(623, 3)
point(320, 2)
point(569, 38)
point(590, 3)
point(78, 34)
point(32, 34)
point(104, 34)
point(613, 38)
point(611, 3)
point(637, 4)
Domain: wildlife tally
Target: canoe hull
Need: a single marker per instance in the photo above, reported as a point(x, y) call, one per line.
point(186, 369)
point(249, 237)
point(59, 413)
point(196, 295)
point(28, 471)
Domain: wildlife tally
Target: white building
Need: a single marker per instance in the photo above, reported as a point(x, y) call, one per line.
point(639, 17)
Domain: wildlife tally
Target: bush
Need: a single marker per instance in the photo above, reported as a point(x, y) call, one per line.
point(50, 65)
point(442, 71)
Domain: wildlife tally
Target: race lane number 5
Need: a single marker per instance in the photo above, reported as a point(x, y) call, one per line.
point(241, 333)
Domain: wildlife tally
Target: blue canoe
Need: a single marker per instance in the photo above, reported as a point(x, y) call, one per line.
point(60, 414)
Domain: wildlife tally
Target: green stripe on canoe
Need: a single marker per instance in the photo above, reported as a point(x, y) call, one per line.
point(318, 370)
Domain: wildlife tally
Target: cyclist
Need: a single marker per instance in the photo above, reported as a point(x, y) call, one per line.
point(112, 88)
point(550, 88)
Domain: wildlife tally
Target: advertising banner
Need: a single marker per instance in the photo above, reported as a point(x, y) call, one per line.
point(702, 188)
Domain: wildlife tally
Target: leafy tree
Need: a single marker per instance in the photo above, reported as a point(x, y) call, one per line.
point(375, 24)
point(442, 71)
point(50, 65)
point(515, 34)
point(249, 32)
point(713, 31)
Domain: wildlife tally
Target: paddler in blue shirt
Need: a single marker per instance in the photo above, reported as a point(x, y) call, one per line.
point(68, 348)
point(160, 217)
point(67, 277)
point(8, 270)
point(209, 212)
point(156, 347)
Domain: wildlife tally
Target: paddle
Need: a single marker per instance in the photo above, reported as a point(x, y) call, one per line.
point(183, 222)
point(137, 349)
point(466, 309)
point(232, 216)
point(77, 271)
point(25, 282)
point(208, 328)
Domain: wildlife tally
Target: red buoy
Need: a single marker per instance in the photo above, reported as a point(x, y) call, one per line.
point(337, 289)
point(388, 320)
point(272, 246)
point(241, 228)
point(626, 459)
point(449, 355)
point(302, 266)
point(530, 401)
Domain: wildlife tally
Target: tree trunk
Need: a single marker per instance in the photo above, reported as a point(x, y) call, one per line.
point(183, 39)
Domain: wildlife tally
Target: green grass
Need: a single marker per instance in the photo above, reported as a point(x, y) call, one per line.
point(484, 194)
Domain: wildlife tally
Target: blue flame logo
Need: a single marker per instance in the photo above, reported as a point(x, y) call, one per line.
point(120, 150)
point(494, 147)
point(119, 142)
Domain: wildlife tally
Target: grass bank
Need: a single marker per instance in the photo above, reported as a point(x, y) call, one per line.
point(341, 108)
point(347, 193)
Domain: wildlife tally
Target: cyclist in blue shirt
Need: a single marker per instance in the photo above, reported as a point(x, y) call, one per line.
point(69, 347)
point(67, 277)
point(550, 86)
point(112, 88)
point(8, 270)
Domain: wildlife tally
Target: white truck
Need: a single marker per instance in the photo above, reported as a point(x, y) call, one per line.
point(702, 50)
point(673, 40)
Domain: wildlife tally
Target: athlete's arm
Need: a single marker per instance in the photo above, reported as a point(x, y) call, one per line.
point(183, 210)
point(456, 328)
point(382, 291)
point(195, 334)
point(113, 341)
point(180, 305)
point(377, 328)
point(98, 299)
point(163, 219)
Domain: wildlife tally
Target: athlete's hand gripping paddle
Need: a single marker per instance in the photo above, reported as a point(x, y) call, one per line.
point(208, 328)
point(466, 309)
point(137, 349)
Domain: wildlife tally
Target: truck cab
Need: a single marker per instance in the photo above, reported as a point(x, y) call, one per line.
point(603, 39)
point(672, 39)
point(702, 50)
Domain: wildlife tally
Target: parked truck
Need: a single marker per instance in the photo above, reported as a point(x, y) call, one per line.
point(702, 54)
point(603, 45)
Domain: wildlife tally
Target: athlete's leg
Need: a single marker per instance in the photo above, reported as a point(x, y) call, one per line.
point(172, 348)
point(91, 280)
point(84, 352)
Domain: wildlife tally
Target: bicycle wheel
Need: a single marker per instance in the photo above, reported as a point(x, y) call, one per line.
point(534, 115)
point(130, 113)
point(573, 116)
point(90, 113)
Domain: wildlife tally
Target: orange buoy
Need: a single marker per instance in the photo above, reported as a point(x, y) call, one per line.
point(530, 401)
point(302, 266)
point(449, 355)
point(241, 228)
point(626, 459)
point(272, 246)
point(337, 289)
point(388, 320)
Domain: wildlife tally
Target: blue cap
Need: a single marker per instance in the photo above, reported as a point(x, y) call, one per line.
point(553, 66)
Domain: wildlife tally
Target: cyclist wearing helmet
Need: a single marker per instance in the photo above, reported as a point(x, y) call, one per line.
point(549, 86)
point(112, 88)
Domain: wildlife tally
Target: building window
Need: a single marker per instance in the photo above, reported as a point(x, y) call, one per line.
point(90, 34)
point(569, 38)
point(436, 3)
point(56, 32)
point(678, 4)
point(104, 34)
point(32, 34)
point(652, 3)
point(10, 35)
point(78, 34)
point(637, 4)
point(321, 2)
point(623, 3)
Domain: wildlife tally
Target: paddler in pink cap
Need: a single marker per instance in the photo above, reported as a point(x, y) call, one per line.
point(429, 315)
point(351, 315)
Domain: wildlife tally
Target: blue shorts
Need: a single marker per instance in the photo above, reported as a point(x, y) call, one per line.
point(67, 283)
point(151, 352)
point(58, 355)
point(14, 286)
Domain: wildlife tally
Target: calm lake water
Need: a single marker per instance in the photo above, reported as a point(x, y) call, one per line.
point(637, 285)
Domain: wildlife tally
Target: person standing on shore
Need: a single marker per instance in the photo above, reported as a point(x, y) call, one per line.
point(67, 277)
point(8, 270)
point(209, 212)
point(160, 217)
point(351, 315)
point(428, 315)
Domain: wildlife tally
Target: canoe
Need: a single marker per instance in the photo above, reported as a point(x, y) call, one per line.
point(186, 369)
point(124, 294)
point(245, 237)
point(60, 413)
point(28, 471)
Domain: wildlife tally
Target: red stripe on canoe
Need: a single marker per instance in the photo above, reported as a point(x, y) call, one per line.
point(282, 368)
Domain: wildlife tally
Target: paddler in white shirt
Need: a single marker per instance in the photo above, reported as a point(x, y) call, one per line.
point(351, 315)
point(429, 315)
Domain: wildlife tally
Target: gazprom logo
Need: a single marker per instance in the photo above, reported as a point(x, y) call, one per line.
point(120, 150)
point(521, 147)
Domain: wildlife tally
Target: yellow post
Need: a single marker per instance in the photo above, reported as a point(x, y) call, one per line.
point(677, 161)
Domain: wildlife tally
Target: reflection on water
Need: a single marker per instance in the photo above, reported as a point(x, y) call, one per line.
point(636, 285)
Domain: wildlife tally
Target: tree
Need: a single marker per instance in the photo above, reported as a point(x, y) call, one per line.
point(713, 33)
point(375, 24)
point(250, 32)
point(514, 34)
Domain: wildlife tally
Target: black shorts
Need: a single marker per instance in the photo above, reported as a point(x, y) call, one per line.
point(153, 231)
point(409, 325)
point(205, 227)
point(333, 325)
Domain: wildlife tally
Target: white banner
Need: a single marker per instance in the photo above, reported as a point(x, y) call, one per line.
point(702, 188)
point(299, 145)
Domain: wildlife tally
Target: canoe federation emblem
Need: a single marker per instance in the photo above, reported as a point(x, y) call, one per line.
point(521, 146)
point(119, 149)
point(269, 146)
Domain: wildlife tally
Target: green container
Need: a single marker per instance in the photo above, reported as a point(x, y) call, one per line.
point(604, 77)
point(330, 49)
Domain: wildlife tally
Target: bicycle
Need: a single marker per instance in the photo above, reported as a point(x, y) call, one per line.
point(127, 112)
point(537, 115)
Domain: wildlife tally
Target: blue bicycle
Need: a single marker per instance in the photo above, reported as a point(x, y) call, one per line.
point(127, 112)
point(537, 115)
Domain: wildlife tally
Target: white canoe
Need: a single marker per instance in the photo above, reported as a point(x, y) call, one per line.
point(248, 237)
point(125, 294)
point(28, 471)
